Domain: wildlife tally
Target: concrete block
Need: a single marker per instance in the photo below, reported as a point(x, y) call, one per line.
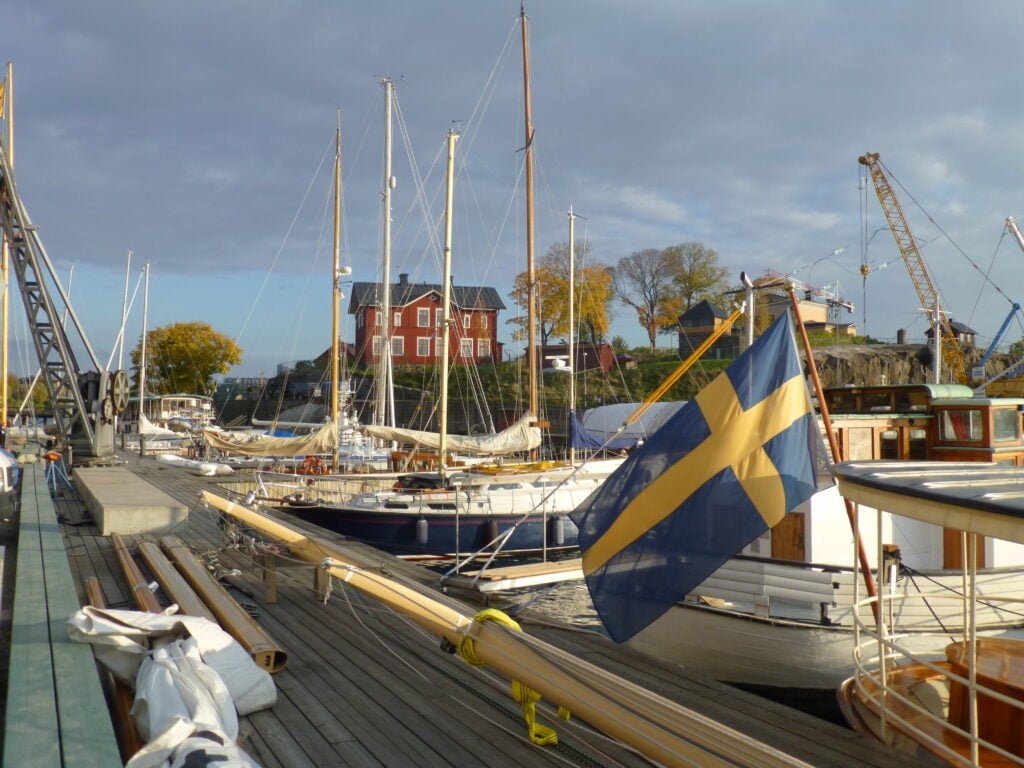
point(122, 502)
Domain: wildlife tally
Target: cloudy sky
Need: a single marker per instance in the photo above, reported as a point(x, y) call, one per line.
point(199, 136)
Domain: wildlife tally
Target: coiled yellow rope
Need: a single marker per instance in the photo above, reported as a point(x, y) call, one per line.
point(527, 697)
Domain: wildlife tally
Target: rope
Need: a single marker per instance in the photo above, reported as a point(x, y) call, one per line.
point(526, 696)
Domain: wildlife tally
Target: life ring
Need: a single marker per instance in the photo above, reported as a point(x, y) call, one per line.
point(312, 465)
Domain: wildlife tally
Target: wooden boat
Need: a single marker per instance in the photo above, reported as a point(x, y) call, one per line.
point(962, 702)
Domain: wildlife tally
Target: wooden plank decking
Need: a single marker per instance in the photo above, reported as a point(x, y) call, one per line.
point(366, 687)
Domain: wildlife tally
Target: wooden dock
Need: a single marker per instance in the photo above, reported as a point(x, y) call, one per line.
point(366, 687)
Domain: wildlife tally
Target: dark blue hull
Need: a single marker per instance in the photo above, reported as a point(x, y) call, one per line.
point(441, 534)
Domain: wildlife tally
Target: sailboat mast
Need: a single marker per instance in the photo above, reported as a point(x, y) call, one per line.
point(336, 287)
point(572, 326)
point(142, 350)
point(446, 303)
point(531, 300)
point(6, 111)
point(386, 404)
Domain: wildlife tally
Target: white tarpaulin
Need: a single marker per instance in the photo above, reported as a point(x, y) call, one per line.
point(521, 436)
point(605, 420)
point(324, 440)
point(191, 680)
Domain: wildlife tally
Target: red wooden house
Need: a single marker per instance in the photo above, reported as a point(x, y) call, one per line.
point(415, 323)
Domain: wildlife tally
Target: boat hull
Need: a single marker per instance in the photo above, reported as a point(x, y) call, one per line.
point(442, 534)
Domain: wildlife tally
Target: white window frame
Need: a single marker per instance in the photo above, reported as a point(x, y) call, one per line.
point(422, 346)
point(483, 347)
point(465, 347)
point(423, 317)
point(398, 346)
point(397, 319)
point(467, 321)
point(376, 345)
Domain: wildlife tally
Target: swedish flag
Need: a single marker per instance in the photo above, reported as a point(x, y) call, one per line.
point(722, 471)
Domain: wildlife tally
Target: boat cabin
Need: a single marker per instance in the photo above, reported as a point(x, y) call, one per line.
point(912, 422)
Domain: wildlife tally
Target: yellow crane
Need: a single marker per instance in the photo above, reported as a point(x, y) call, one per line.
point(905, 241)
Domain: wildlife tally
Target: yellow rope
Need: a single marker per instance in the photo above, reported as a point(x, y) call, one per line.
point(527, 697)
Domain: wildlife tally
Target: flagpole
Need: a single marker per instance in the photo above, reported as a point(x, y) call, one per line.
point(851, 513)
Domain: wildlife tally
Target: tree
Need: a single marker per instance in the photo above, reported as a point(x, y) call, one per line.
point(643, 281)
point(184, 357)
point(660, 285)
point(18, 389)
point(697, 277)
point(592, 295)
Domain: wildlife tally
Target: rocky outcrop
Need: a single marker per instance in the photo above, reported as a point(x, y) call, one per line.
point(871, 364)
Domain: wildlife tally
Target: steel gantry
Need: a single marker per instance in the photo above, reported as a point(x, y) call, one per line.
point(84, 401)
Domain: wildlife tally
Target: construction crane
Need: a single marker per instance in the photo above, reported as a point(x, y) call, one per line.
point(85, 401)
point(907, 245)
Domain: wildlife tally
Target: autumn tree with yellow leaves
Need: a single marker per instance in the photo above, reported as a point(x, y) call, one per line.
point(592, 295)
point(184, 357)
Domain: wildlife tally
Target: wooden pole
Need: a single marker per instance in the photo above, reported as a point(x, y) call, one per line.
point(837, 454)
point(662, 730)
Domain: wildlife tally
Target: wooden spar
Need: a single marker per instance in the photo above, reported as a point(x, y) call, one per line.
point(128, 739)
point(660, 729)
point(173, 583)
point(336, 293)
point(6, 111)
point(446, 306)
point(837, 454)
point(531, 275)
point(141, 593)
point(230, 615)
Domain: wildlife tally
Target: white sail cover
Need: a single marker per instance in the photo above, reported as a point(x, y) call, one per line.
point(148, 429)
point(520, 436)
point(324, 440)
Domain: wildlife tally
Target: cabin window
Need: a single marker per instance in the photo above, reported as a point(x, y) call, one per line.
point(1005, 424)
point(877, 402)
point(918, 444)
point(842, 402)
point(423, 317)
point(423, 346)
point(889, 444)
point(960, 426)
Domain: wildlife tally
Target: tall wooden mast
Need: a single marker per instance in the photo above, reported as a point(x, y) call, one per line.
point(336, 289)
point(531, 300)
point(7, 112)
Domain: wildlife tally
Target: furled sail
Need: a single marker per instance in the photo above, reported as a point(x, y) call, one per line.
point(521, 436)
point(324, 440)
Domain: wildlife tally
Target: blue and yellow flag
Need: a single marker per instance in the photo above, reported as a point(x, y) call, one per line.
point(718, 474)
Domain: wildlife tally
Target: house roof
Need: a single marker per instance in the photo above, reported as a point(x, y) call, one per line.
point(957, 327)
point(404, 293)
point(703, 309)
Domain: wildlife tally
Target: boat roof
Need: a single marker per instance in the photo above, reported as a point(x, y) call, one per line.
point(977, 497)
point(975, 401)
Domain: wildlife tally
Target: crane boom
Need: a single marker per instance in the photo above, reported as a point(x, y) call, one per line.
point(905, 241)
point(84, 401)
